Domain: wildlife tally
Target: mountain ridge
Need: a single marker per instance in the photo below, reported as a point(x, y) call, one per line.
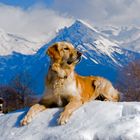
point(101, 57)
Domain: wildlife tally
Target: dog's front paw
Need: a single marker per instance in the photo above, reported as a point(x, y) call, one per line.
point(26, 120)
point(64, 117)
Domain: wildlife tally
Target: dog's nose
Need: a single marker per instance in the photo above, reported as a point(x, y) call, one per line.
point(79, 53)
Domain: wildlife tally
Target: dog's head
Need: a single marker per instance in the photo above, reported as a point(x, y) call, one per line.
point(64, 57)
point(64, 52)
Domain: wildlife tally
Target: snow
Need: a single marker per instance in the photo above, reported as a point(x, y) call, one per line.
point(94, 60)
point(1, 114)
point(94, 120)
point(87, 24)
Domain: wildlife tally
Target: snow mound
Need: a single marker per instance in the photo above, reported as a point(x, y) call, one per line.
point(94, 120)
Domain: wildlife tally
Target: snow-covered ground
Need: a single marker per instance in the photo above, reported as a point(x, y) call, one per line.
point(93, 121)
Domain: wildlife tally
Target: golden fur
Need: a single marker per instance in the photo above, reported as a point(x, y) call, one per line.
point(66, 88)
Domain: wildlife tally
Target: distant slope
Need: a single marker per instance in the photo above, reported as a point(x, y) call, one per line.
point(126, 37)
point(93, 121)
point(12, 43)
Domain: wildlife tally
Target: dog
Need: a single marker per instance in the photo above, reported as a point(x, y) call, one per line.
point(65, 88)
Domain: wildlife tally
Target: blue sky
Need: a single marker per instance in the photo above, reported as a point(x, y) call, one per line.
point(117, 12)
point(36, 18)
point(26, 3)
point(32, 19)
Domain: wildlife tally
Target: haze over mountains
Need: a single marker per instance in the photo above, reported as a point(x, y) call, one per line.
point(103, 54)
point(127, 37)
point(10, 42)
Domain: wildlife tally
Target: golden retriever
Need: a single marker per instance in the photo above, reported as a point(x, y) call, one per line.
point(65, 88)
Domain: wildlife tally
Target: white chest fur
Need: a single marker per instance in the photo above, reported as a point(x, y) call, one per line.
point(60, 89)
point(63, 87)
point(66, 87)
point(70, 87)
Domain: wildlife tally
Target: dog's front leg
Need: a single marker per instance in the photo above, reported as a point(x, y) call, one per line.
point(68, 110)
point(35, 109)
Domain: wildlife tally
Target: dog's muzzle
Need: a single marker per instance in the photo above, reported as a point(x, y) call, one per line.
point(79, 56)
point(76, 59)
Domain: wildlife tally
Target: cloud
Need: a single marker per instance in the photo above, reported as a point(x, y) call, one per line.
point(100, 12)
point(36, 23)
point(39, 22)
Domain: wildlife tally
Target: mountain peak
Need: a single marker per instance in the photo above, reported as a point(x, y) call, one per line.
point(80, 23)
point(94, 44)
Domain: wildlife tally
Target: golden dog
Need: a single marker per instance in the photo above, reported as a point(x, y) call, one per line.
point(66, 88)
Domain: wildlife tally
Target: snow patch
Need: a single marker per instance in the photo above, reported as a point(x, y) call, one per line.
point(94, 60)
point(88, 25)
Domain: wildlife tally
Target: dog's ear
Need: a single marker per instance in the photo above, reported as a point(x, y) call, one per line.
point(53, 51)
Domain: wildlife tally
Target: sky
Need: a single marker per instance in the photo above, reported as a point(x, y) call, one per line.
point(34, 19)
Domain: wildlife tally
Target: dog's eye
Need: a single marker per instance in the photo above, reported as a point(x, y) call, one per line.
point(66, 48)
point(69, 62)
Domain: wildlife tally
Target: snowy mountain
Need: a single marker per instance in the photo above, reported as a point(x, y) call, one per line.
point(95, 45)
point(101, 57)
point(10, 42)
point(126, 37)
point(93, 121)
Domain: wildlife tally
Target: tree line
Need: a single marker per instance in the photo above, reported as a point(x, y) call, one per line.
point(18, 94)
point(128, 82)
